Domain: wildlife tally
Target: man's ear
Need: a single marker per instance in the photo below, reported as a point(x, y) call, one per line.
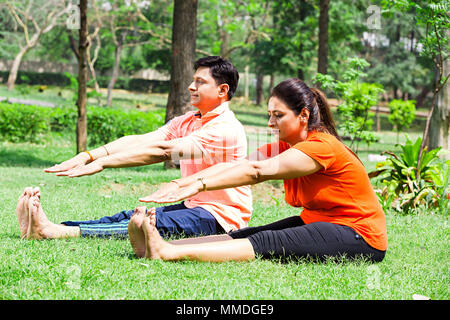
point(223, 90)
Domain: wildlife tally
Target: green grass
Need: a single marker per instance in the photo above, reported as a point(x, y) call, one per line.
point(416, 262)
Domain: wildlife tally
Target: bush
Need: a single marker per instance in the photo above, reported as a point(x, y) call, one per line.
point(107, 124)
point(40, 78)
point(23, 123)
point(406, 188)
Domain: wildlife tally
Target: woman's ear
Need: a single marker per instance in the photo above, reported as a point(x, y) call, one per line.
point(304, 114)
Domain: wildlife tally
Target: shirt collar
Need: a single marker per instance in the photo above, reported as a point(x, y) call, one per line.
point(213, 113)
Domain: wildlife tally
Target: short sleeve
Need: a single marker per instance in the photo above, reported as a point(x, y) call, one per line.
point(173, 128)
point(273, 149)
point(219, 145)
point(319, 150)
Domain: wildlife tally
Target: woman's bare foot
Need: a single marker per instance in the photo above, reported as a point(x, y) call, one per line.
point(156, 247)
point(137, 237)
point(22, 209)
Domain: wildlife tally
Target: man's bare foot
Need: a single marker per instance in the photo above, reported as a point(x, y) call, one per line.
point(156, 247)
point(22, 209)
point(137, 237)
point(39, 225)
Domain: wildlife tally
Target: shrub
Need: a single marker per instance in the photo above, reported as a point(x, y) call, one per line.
point(107, 124)
point(402, 114)
point(22, 122)
point(356, 99)
point(40, 78)
point(25, 123)
point(406, 187)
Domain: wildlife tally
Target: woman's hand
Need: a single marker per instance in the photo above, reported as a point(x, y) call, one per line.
point(165, 190)
point(178, 195)
point(78, 161)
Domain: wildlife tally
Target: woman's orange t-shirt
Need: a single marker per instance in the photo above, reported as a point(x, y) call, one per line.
point(339, 193)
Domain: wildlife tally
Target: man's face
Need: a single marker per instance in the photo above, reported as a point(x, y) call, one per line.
point(205, 93)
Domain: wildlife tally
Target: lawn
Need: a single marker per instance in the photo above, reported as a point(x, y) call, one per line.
point(416, 262)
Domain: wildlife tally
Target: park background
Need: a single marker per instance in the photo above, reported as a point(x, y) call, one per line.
point(383, 64)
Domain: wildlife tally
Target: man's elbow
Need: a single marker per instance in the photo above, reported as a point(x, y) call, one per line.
point(255, 172)
point(161, 151)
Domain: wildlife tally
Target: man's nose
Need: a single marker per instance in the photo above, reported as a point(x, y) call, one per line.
point(192, 86)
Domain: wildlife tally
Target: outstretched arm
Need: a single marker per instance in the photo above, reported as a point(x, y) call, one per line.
point(146, 154)
point(287, 165)
point(117, 146)
point(175, 185)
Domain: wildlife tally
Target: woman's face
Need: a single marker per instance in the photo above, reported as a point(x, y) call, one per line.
point(288, 126)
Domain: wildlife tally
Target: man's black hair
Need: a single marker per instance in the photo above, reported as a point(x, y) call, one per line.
point(223, 71)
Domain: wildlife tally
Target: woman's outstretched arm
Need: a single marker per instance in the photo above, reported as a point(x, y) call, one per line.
point(288, 165)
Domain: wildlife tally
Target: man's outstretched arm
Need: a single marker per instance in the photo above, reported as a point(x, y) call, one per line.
point(117, 146)
point(141, 155)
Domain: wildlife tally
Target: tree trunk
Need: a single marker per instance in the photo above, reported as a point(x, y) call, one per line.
point(323, 36)
point(259, 88)
point(15, 68)
point(271, 82)
point(246, 95)
point(82, 79)
point(18, 59)
point(184, 35)
point(115, 73)
point(440, 120)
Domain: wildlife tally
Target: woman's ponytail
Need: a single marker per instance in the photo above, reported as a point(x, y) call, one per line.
point(326, 118)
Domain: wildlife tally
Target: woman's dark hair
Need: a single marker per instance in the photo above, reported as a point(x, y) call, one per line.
point(223, 71)
point(297, 95)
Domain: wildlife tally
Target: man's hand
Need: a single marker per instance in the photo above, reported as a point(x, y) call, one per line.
point(79, 160)
point(178, 195)
point(83, 170)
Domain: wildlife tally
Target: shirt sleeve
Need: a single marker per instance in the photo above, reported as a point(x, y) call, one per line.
point(171, 128)
point(319, 150)
point(218, 145)
point(273, 149)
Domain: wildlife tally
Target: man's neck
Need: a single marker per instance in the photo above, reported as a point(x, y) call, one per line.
point(211, 107)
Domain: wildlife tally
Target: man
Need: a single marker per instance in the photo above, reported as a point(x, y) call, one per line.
point(199, 139)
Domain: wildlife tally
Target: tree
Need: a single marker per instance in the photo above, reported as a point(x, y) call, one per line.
point(184, 35)
point(432, 14)
point(35, 18)
point(323, 37)
point(440, 120)
point(83, 47)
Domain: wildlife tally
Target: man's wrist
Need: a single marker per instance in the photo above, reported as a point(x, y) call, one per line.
point(176, 182)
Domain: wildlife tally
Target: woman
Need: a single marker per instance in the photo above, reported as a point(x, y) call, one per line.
point(341, 214)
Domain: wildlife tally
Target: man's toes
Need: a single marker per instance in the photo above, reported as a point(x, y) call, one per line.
point(140, 210)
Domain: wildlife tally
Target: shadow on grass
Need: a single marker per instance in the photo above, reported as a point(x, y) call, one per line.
point(23, 158)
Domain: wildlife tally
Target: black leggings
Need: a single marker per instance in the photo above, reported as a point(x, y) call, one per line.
point(291, 237)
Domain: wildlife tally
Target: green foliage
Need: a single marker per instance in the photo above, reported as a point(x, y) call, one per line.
point(356, 99)
point(21, 122)
point(34, 78)
point(402, 113)
point(406, 187)
point(106, 125)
